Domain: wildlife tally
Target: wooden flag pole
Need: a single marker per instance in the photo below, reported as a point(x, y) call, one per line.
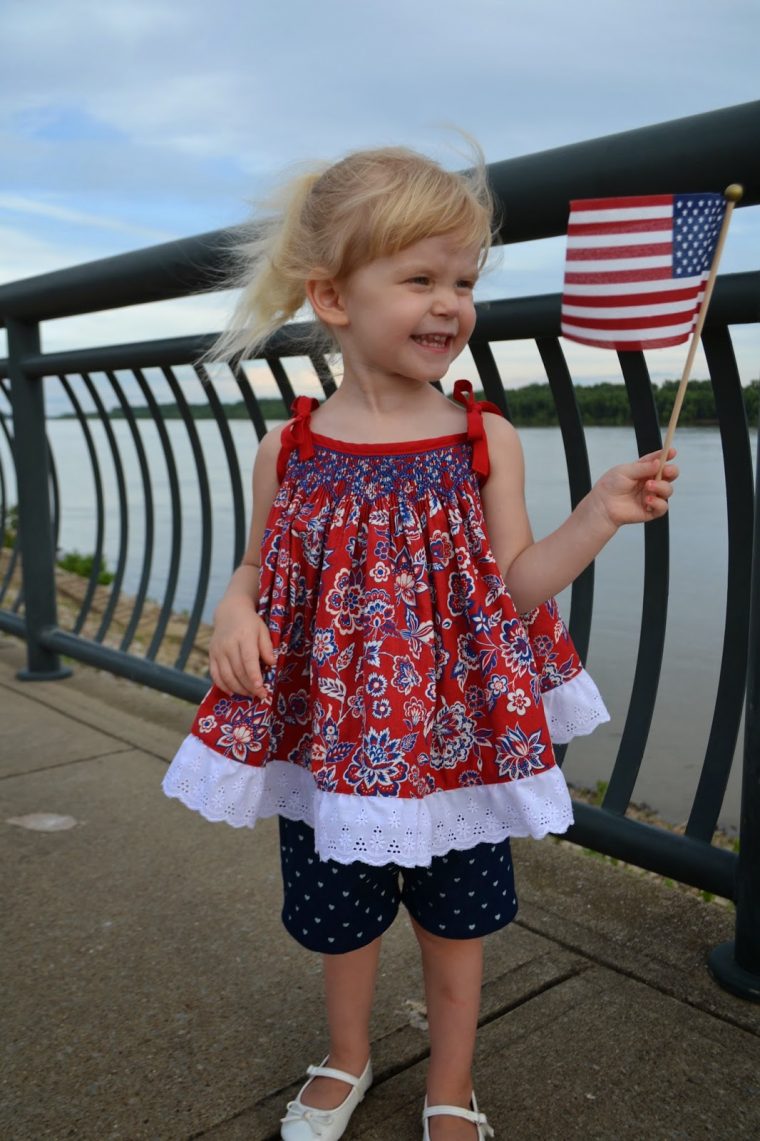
point(732, 194)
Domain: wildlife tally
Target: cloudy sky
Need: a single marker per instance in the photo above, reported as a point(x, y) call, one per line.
point(137, 121)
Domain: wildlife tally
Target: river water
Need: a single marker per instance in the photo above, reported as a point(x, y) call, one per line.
point(697, 583)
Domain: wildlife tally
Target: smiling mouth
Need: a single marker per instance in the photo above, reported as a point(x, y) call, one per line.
point(440, 342)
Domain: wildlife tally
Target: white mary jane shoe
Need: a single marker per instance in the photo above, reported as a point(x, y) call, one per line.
point(478, 1119)
point(307, 1123)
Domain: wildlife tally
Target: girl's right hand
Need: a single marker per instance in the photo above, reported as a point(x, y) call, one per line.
point(239, 646)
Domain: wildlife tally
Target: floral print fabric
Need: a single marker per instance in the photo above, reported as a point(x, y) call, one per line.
point(402, 668)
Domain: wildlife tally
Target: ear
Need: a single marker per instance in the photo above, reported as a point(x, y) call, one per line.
point(326, 299)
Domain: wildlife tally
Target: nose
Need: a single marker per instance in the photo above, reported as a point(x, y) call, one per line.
point(446, 301)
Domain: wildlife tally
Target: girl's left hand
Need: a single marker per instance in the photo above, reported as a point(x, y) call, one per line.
point(630, 493)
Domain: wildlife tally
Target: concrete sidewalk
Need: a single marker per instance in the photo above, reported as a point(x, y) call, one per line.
point(150, 991)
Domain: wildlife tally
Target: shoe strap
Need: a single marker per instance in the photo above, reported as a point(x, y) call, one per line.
point(329, 1072)
point(478, 1119)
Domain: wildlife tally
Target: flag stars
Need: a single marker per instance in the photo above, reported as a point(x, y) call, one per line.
point(696, 225)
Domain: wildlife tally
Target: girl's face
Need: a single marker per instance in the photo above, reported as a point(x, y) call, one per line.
point(409, 315)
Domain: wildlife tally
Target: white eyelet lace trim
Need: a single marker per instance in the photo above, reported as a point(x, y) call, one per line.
point(380, 830)
point(574, 709)
point(376, 830)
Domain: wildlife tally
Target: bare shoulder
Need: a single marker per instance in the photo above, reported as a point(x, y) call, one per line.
point(505, 456)
point(265, 486)
point(500, 432)
point(269, 446)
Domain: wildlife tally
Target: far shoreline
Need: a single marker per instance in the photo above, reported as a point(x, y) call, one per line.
point(531, 406)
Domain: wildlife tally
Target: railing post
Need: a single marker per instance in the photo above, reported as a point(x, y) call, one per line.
point(35, 530)
point(736, 964)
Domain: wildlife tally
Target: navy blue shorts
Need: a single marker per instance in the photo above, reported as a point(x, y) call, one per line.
point(334, 908)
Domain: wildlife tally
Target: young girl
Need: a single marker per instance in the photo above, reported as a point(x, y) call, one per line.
point(388, 661)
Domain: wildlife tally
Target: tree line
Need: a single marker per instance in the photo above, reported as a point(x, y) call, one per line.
point(607, 404)
point(533, 405)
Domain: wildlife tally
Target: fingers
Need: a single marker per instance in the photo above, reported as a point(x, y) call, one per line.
point(239, 653)
point(648, 467)
point(657, 492)
point(657, 455)
point(238, 670)
point(251, 665)
point(266, 653)
point(669, 471)
point(658, 488)
point(227, 674)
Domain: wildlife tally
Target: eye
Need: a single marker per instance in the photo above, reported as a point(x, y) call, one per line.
point(466, 283)
point(419, 279)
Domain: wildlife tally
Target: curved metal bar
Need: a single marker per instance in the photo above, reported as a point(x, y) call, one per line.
point(579, 479)
point(233, 467)
point(282, 380)
point(15, 551)
point(578, 475)
point(3, 515)
point(14, 556)
point(204, 492)
point(737, 465)
point(121, 487)
point(142, 460)
point(654, 605)
point(488, 371)
point(322, 369)
point(55, 494)
point(97, 560)
point(252, 405)
point(176, 505)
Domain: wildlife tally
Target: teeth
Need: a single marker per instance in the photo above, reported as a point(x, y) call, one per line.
point(432, 339)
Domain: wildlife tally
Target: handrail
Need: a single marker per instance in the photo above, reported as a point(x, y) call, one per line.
point(736, 299)
point(533, 192)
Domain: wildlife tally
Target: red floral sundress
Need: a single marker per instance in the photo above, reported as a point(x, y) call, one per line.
point(411, 709)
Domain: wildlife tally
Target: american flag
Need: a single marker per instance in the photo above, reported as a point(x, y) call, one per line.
point(636, 268)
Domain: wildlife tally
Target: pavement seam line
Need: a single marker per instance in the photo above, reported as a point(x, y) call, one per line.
point(74, 761)
point(90, 724)
point(541, 988)
point(627, 972)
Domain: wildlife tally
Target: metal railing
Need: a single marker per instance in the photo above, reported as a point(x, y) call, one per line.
point(707, 151)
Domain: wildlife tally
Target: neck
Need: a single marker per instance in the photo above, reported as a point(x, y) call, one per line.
point(386, 398)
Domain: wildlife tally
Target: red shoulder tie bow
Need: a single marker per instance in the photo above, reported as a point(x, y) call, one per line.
point(297, 434)
point(463, 394)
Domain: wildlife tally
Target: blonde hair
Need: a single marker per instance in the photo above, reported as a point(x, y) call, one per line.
point(329, 222)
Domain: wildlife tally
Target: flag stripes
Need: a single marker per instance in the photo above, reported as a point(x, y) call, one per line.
point(636, 268)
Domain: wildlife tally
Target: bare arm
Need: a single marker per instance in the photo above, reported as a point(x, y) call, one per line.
point(535, 571)
point(241, 642)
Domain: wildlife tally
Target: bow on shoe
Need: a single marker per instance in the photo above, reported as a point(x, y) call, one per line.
point(317, 1120)
point(484, 1129)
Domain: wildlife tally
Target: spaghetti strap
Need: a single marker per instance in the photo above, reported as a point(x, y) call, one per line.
point(297, 434)
point(463, 394)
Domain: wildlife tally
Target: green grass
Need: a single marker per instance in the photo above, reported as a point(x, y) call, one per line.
point(83, 565)
point(599, 793)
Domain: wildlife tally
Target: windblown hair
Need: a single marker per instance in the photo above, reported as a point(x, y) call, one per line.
point(329, 222)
